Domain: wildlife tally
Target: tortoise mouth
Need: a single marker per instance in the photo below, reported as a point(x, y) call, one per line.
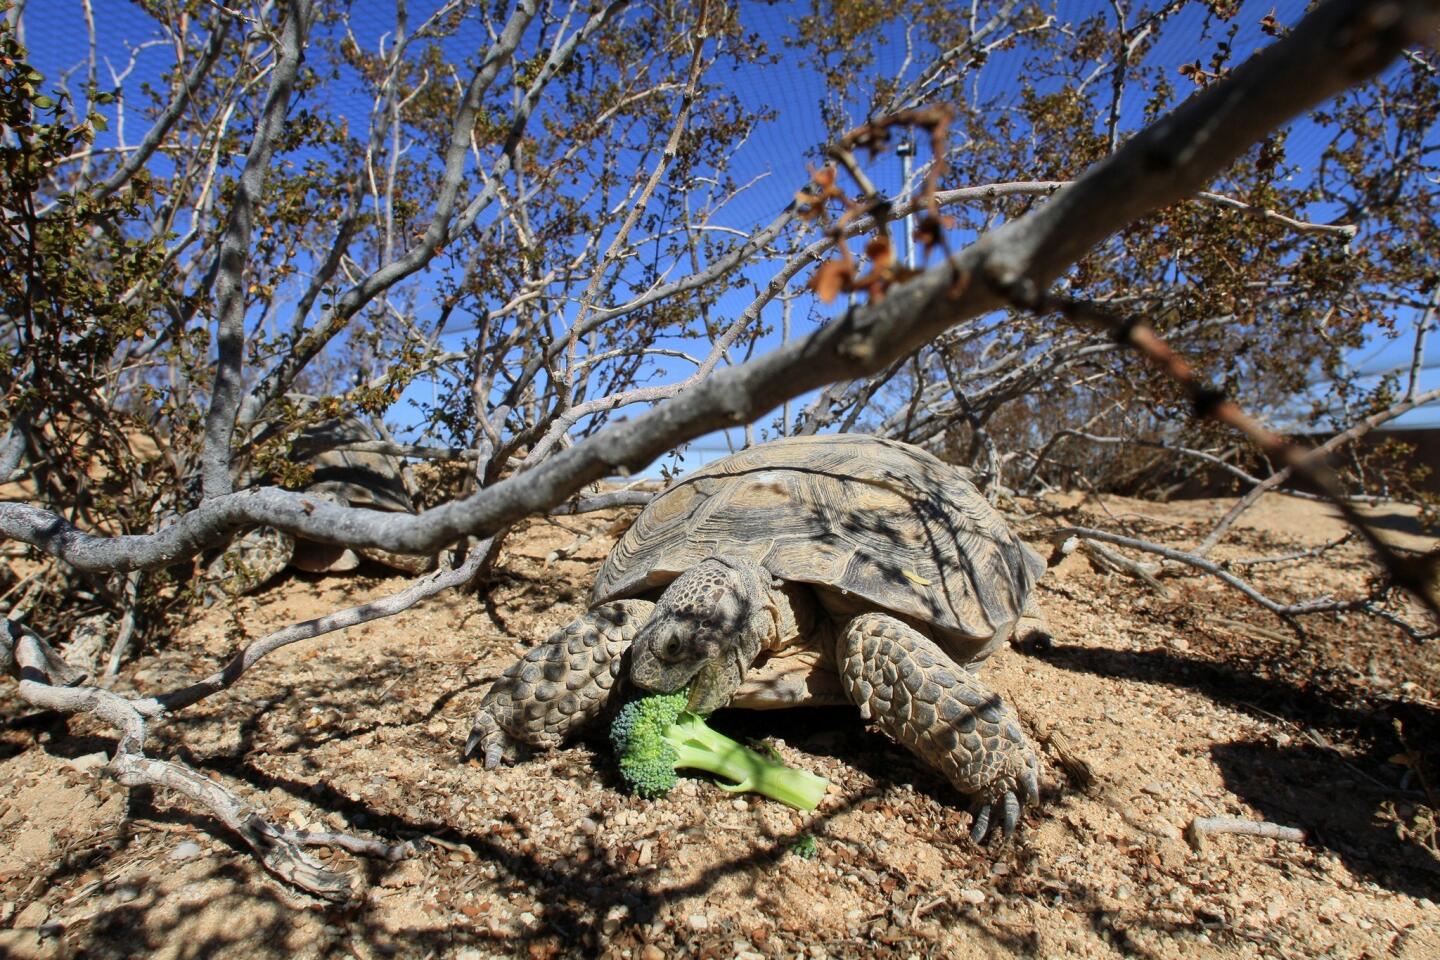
point(712, 686)
point(651, 673)
point(709, 688)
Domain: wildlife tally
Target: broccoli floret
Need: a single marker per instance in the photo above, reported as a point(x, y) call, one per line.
point(655, 735)
point(806, 848)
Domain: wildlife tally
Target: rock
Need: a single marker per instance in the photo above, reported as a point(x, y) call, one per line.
point(407, 873)
point(698, 921)
point(34, 915)
point(188, 850)
point(29, 944)
point(972, 896)
point(652, 952)
point(90, 761)
point(614, 917)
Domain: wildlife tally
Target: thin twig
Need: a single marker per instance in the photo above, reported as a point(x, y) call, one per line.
point(1201, 827)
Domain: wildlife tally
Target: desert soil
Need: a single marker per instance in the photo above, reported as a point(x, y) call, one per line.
point(1189, 703)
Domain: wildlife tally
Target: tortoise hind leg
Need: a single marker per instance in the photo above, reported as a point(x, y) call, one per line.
point(919, 696)
point(559, 686)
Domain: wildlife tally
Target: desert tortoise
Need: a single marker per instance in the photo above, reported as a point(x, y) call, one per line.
point(826, 569)
point(351, 477)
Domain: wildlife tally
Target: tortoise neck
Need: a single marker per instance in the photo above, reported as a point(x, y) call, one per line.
point(799, 619)
point(776, 618)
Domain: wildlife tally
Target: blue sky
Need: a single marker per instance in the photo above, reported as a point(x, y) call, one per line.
point(776, 152)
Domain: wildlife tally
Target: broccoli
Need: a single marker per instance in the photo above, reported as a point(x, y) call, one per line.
point(655, 735)
point(806, 848)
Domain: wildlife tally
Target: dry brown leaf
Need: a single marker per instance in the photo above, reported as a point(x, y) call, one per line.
point(831, 279)
point(880, 252)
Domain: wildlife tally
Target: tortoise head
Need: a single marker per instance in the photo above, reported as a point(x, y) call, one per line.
point(706, 630)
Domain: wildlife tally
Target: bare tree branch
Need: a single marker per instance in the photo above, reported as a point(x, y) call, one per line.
point(163, 124)
point(1318, 605)
point(235, 252)
point(1315, 456)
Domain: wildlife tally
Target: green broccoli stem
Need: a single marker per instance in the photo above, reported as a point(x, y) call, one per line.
point(702, 748)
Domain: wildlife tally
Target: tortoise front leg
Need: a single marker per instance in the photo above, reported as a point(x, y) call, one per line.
point(558, 686)
point(942, 713)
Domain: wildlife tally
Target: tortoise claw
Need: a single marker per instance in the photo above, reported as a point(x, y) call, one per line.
point(999, 817)
point(1030, 782)
point(489, 742)
point(981, 827)
point(1012, 813)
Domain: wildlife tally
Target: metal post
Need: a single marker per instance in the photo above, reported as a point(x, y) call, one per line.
point(905, 151)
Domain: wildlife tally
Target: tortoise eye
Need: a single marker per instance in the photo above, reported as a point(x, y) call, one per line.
point(670, 649)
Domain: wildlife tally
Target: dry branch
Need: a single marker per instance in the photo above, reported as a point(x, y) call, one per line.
point(1307, 460)
point(422, 589)
point(1373, 604)
point(279, 850)
point(1201, 827)
point(1319, 605)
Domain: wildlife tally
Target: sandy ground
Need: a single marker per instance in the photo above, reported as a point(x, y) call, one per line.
point(1190, 703)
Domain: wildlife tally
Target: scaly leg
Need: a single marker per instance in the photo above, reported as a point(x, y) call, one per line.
point(940, 711)
point(559, 686)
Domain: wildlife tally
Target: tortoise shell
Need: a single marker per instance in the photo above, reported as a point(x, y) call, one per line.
point(353, 477)
point(863, 519)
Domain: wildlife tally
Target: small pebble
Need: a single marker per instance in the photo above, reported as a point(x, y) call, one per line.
point(698, 921)
point(35, 914)
point(188, 850)
point(90, 761)
point(972, 896)
point(614, 917)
